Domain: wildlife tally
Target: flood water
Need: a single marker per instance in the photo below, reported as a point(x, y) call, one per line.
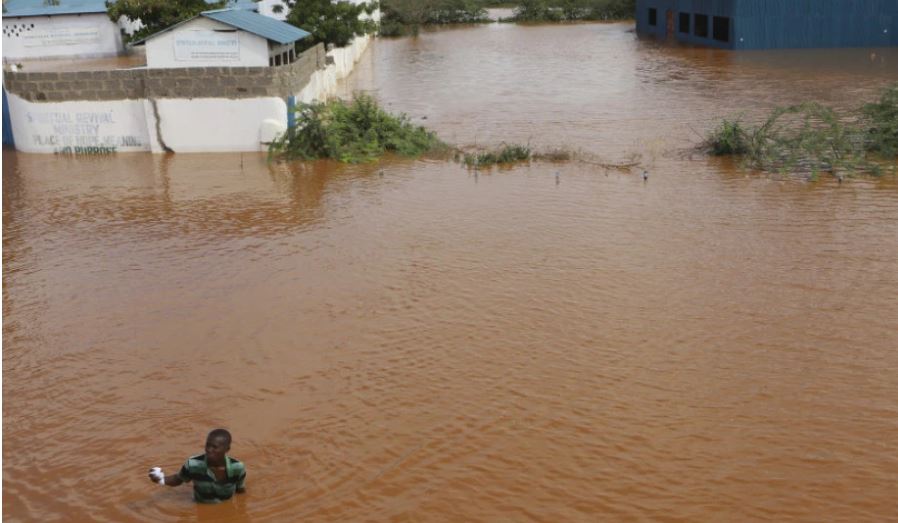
point(413, 341)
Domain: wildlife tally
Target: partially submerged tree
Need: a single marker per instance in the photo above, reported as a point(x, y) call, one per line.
point(612, 9)
point(156, 15)
point(407, 16)
point(397, 16)
point(559, 10)
point(535, 11)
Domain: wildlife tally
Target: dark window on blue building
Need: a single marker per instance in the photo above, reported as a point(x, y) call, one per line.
point(722, 28)
point(684, 23)
point(701, 26)
point(653, 16)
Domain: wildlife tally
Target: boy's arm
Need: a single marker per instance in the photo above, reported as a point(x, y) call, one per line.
point(173, 480)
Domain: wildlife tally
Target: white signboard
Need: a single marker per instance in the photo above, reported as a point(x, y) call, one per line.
point(60, 36)
point(207, 46)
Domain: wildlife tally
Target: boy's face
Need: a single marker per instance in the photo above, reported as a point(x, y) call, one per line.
point(216, 448)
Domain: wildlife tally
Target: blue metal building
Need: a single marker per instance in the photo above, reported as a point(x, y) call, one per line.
point(767, 24)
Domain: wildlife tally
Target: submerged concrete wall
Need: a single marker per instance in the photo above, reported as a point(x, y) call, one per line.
point(203, 109)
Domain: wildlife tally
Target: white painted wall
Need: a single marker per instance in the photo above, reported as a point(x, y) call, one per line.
point(217, 124)
point(323, 83)
point(38, 37)
point(186, 125)
point(168, 49)
point(78, 127)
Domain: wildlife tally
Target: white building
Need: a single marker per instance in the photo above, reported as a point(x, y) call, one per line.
point(39, 29)
point(225, 38)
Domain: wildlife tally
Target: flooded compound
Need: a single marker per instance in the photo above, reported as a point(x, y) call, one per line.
point(414, 341)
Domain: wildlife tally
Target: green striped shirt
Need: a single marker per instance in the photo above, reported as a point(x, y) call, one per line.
point(206, 488)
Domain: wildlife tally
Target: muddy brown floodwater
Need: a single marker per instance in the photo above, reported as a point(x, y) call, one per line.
point(433, 345)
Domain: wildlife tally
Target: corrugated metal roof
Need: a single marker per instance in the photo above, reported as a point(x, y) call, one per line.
point(249, 21)
point(48, 8)
point(264, 26)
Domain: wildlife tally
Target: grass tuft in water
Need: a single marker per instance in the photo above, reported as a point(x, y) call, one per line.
point(352, 132)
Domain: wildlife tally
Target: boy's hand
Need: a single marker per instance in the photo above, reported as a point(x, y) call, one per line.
point(156, 475)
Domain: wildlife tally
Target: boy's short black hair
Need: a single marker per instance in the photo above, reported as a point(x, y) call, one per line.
point(220, 433)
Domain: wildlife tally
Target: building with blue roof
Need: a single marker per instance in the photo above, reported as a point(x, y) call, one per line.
point(38, 29)
point(232, 37)
point(769, 24)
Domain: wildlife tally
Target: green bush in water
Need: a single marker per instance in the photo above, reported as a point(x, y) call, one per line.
point(728, 138)
point(804, 138)
point(612, 9)
point(535, 11)
point(882, 117)
point(401, 17)
point(505, 154)
point(352, 132)
point(811, 138)
point(807, 137)
point(570, 10)
point(458, 12)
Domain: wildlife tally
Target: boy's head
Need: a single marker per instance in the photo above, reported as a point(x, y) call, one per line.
point(218, 443)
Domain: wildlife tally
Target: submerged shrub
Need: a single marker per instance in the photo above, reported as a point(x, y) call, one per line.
point(812, 138)
point(882, 123)
point(458, 12)
point(504, 154)
point(807, 137)
point(353, 132)
point(569, 10)
point(400, 17)
point(728, 138)
point(554, 155)
point(612, 9)
point(535, 11)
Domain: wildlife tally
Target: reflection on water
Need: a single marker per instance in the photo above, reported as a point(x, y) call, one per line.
point(433, 345)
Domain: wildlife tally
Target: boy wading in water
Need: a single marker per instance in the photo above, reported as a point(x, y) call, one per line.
point(215, 475)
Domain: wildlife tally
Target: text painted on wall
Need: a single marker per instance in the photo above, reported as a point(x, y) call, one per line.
point(80, 133)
